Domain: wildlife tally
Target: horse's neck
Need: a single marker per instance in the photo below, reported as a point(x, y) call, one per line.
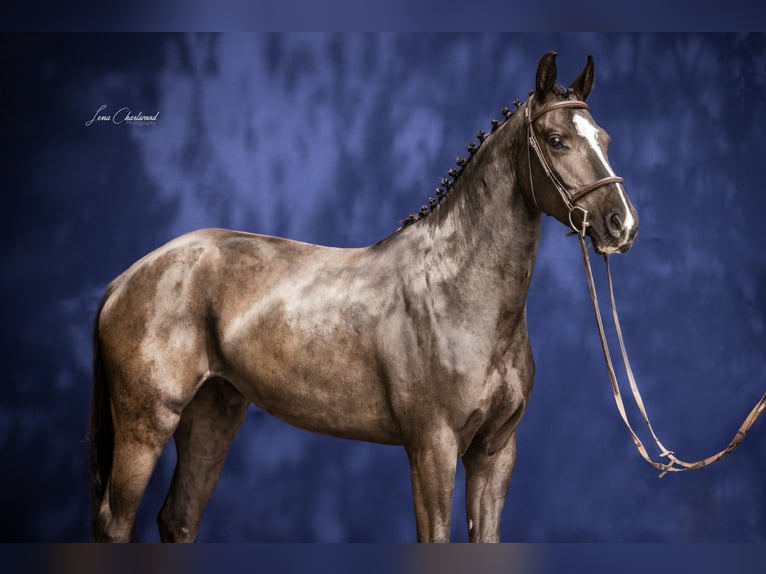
point(479, 245)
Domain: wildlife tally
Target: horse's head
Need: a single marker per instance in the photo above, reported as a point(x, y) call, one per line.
point(566, 158)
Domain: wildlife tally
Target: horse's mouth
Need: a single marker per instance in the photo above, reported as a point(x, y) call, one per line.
point(609, 247)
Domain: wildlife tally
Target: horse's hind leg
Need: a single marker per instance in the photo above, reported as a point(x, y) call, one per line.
point(207, 428)
point(141, 433)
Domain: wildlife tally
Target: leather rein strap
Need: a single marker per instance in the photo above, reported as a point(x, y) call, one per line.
point(674, 464)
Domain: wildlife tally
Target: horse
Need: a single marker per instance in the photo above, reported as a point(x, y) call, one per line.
point(419, 340)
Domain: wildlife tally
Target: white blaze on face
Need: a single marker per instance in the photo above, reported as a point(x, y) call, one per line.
point(589, 132)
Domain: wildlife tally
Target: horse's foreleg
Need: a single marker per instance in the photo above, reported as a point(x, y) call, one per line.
point(432, 463)
point(487, 480)
point(207, 428)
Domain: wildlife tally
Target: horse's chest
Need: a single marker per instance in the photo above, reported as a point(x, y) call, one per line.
point(495, 397)
point(493, 415)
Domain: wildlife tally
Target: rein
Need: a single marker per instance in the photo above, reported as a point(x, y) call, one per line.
point(675, 464)
point(570, 199)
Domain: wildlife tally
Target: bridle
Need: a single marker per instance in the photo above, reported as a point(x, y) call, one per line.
point(673, 464)
point(568, 198)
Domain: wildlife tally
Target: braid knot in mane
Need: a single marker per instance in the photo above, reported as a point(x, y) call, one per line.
point(454, 173)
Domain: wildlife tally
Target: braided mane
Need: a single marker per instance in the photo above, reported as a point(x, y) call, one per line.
point(453, 174)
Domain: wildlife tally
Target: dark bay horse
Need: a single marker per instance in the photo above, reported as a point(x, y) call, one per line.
point(419, 340)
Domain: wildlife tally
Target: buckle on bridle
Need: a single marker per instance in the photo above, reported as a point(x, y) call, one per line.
point(585, 223)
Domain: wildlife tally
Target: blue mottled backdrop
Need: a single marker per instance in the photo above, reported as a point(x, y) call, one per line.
point(333, 139)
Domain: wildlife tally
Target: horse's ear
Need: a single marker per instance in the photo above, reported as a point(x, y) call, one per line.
point(546, 75)
point(584, 82)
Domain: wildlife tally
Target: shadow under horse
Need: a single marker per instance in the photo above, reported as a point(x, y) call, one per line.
point(419, 340)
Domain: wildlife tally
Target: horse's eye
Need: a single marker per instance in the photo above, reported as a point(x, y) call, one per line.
point(556, 142)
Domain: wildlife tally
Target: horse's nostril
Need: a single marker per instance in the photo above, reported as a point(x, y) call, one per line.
point(614, 224)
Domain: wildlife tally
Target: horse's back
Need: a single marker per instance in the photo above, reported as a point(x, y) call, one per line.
point(185, 268)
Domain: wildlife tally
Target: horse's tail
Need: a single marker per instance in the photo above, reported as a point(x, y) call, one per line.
point(101, 432)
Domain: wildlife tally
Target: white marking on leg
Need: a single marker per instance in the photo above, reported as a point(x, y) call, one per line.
point(589, 131)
